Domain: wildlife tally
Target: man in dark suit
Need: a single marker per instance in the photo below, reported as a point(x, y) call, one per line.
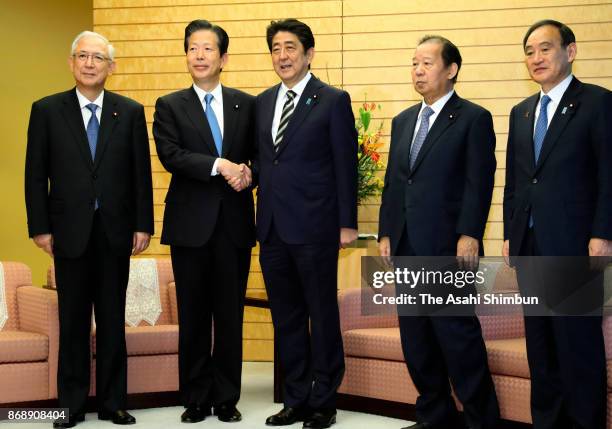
point(306, 210)
point(435, 202)
point(558, 202)
point(89, 205)
point(204, 137)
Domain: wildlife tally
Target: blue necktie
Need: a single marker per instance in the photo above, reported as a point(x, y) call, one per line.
point(421, 134)
point(539, 134)
point(541, 127)
point(93, 126)
point(212, 122)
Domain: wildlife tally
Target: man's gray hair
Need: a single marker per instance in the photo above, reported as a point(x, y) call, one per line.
point(111, 48)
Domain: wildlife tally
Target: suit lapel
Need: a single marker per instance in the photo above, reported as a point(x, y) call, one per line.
point(231, 112)
point(564, 113)
point(109, 118)
point(74, 118)
point(267, 116)
point(308, 100)
point(195, 112)
point(525, 128)
point(447, 116)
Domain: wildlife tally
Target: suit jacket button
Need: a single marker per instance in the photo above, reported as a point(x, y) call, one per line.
point(534, 181)
point(410, 181)
point(275, 162)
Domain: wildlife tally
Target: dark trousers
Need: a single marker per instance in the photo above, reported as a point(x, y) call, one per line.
point(211, 282)
point(301, 281)
point(439, 348)
point(98, 277)
point(567, 365)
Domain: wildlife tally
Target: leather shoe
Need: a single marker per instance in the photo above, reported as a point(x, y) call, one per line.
point(72, 421)
point(195, 414)
point(119, 417)
point(320, 419)
point(228, 413)
point(423, 425)
point(286, 416)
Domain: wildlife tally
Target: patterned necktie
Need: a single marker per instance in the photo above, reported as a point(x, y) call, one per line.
point(214, 125)
point(421, 135)
point(541, 127)
point(288, 108)
point(93, 126)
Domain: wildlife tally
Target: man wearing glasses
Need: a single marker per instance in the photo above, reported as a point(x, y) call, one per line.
point(90, 206)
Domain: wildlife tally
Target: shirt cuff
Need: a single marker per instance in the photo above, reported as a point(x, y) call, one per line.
point(214, 171)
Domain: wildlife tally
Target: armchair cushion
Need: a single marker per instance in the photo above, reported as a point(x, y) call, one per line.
point(18, 346)
point(377, 343)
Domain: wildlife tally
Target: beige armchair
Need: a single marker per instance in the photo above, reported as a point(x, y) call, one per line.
point(28, 339)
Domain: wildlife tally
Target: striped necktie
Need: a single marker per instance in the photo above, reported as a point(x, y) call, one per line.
point(421, 135)
point(288, 108)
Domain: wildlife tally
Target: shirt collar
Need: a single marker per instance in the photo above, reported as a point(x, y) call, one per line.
point(84, 101)
point(557, 92)
point(438, 105)
point(298, 88)
point(216, 92)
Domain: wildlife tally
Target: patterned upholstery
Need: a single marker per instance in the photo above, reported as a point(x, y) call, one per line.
point(508, 357)
point(18, 346)
point(29, 339)
point(376, 343)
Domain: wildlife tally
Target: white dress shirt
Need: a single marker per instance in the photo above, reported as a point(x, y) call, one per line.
point(217, 106)
point(436, 107)
point(555, 95)
point(281, 98)
point(84, 101)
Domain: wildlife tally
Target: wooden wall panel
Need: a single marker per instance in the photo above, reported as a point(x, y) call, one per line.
point(364, 46)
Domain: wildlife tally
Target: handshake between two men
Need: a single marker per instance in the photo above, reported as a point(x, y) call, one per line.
point(238, 176)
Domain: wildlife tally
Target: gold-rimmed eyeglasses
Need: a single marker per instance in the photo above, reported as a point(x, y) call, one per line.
point(84, 56)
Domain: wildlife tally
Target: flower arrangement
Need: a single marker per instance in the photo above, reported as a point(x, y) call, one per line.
point(368, 158)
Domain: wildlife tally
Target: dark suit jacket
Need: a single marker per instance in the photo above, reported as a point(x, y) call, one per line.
point(309, 187)
point(186, 149)
point(569, 191)
point(448, 192)
point(62, 182)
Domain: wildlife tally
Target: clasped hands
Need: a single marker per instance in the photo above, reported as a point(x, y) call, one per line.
point(238, 176)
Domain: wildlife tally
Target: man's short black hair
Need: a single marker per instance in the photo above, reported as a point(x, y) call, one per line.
point(566, 33)
point(291, 25)
point(202, 24)
point(450, 53)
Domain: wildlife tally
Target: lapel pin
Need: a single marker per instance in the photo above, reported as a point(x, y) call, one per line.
point(115, 114)
point(564, 110)
point(571, 105)
point(451, 116)
point(314, 96)
point(236, 106)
